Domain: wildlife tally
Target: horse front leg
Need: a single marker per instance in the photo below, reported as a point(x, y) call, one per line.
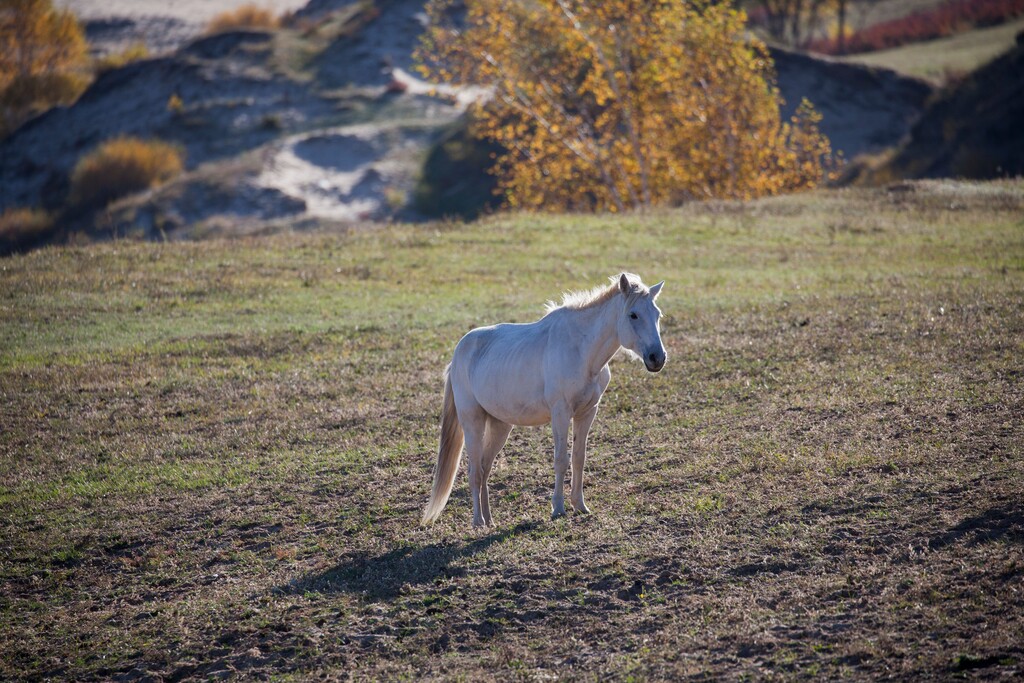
point(580, 429)
point(560, 419)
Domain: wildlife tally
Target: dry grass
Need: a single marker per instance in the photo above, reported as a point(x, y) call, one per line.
point(20, 227)
point(30, 95)
point(216, 454)
point(245, 17)
point(121, 167)
point(132, 53)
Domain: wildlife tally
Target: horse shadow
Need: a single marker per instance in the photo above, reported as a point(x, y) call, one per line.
point(384, 575)
point(999, 523)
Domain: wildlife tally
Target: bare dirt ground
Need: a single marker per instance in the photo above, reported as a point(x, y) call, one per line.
point(215, 454)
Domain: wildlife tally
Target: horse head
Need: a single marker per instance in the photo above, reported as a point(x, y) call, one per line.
point(638, 326)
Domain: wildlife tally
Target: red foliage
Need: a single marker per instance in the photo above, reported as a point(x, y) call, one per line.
point(944, 20)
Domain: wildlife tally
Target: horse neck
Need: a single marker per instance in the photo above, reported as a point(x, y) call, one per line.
point(599, 330)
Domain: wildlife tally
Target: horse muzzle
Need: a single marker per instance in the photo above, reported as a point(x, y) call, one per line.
point(655, 361)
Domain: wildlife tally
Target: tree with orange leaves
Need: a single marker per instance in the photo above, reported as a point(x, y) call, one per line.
point(624, 104)
point(42, 61)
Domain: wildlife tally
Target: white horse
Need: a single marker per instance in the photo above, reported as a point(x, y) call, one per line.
point(553, 370)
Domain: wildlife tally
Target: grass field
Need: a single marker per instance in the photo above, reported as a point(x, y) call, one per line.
point(937, 60)
point(215, 454)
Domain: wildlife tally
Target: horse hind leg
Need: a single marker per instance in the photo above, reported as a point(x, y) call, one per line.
point(496, 434)
point(474, 423)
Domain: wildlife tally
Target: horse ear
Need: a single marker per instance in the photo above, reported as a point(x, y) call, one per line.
point(656, 290)
point(624, 285)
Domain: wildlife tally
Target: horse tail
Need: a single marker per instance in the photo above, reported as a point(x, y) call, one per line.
point(449, 452)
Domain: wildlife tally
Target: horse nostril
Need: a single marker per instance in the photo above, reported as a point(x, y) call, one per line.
point(652, 357)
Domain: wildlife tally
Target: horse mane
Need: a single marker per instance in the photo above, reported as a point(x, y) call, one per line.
point(589, 298)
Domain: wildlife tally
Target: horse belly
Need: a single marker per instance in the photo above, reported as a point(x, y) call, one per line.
point(519, 415)
point(514, 402)
point(505, 371)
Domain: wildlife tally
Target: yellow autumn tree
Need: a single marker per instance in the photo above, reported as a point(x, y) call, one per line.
point(624, 104)
point(42, 59)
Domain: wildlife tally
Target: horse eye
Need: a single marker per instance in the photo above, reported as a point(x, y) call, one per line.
point(632, 316)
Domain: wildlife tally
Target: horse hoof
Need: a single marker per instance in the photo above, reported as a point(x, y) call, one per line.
point(555, 514)
point(583, 510)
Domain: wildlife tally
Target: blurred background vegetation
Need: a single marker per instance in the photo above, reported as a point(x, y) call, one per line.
point(242, 91)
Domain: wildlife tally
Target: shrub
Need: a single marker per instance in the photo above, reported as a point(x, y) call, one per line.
point(42, 62)
point(31, 94)
point(21, 227)
point(175, 104)
point(123, 166)
point(132, 53)
point(455, 181)
point(246, 16)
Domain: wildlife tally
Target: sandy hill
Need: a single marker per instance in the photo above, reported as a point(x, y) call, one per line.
point(321, 120)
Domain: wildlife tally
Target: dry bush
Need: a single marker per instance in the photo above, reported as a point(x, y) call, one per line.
point(132, 53)
point(21, 227)
point(122, 166)
point(42, 62)
point(244, 17)
point(32, 94)
point(38, 39)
